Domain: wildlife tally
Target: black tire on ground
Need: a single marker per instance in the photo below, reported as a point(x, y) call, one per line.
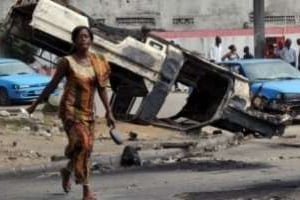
point(4, 98)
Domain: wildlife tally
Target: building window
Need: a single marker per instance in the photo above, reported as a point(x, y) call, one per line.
point(135, 21)
point(183, 20)
point(100, 21)
point(278, 19)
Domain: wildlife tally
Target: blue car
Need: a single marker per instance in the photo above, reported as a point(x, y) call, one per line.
point(274, 84)
point(19, 82)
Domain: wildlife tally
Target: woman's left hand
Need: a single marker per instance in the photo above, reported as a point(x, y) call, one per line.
point(110, 120)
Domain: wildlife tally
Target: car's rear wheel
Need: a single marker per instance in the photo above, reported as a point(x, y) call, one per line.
point(4, 98)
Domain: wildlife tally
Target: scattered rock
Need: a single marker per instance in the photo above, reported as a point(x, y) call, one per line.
point(131, 186)
point(61, 128)
point(12, 158)
point(39, 155)
point(55, 158)
point(289, 136)
point(26, 129)
point(281, 157)
point(4, 113)
point(133, 136)
point(55, 131)
point(46, 134)
point(130, 157)
point(15, 143)
point(35, 127)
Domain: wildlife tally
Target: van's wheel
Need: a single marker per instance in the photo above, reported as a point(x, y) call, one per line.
point(4, 98)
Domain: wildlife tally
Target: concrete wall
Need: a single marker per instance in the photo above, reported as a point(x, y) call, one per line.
point(203, 44)
point(283, 7)
point(207, 14)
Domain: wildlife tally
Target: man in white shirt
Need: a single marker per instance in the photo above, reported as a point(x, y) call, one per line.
point(298, 43)
point(289, 54)
point(215, 53)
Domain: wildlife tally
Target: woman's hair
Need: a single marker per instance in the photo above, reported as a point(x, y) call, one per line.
point(77, 30)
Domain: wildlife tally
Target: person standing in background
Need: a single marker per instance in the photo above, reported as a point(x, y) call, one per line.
point(215, 53)
point(271, 52)
point(288, 54)
point(278, 49)
point(247, 54)
point(298, 43)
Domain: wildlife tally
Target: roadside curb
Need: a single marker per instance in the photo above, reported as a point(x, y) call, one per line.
point(113, 161)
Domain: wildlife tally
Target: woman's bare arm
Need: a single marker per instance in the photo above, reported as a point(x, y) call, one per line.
point(104, 98)
point(58, 76)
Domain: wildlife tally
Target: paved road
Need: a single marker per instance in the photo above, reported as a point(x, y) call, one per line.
point(260, 169)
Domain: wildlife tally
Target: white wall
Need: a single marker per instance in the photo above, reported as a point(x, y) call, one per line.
point(203, 44)
point(210, 14)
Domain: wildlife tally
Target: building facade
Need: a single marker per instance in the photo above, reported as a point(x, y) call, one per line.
point(182, 14)
point(203, 18)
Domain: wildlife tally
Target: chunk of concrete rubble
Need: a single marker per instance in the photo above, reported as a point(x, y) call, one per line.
point(45, 134)
point(26, 128)
point(133, 136)
point(12, 158)
point(4, 113)
point(56, 158)
point(34, 127)
point(130, 157)
point(55, 131)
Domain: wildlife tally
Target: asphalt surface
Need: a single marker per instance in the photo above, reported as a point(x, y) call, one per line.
point(258, 169)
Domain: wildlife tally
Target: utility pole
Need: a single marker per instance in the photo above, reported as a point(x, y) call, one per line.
point(259, 28)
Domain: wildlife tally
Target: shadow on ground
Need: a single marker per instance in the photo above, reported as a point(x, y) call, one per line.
point(285, 145)
point(199, 166)
point(276, 190)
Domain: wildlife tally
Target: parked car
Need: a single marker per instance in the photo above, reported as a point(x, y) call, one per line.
point(274, 84)
point(19, 82)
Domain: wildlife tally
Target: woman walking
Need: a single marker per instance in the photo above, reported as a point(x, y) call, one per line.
point(85, 73)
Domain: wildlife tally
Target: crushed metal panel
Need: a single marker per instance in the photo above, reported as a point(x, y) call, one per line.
point(131, 55)
point(145, 60)
point(153, 102)
point(56, 20)
point(234, 119)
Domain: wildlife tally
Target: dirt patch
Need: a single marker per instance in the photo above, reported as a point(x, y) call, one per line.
point(27, 142)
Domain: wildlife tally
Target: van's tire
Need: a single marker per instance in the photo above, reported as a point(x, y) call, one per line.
point(4, 98)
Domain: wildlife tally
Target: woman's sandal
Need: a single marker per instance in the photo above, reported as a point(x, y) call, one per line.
point(66, 183)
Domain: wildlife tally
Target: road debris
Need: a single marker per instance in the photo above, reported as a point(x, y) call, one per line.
point(130, 157)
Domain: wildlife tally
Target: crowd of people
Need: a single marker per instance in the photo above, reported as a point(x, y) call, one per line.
point(281, 50)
